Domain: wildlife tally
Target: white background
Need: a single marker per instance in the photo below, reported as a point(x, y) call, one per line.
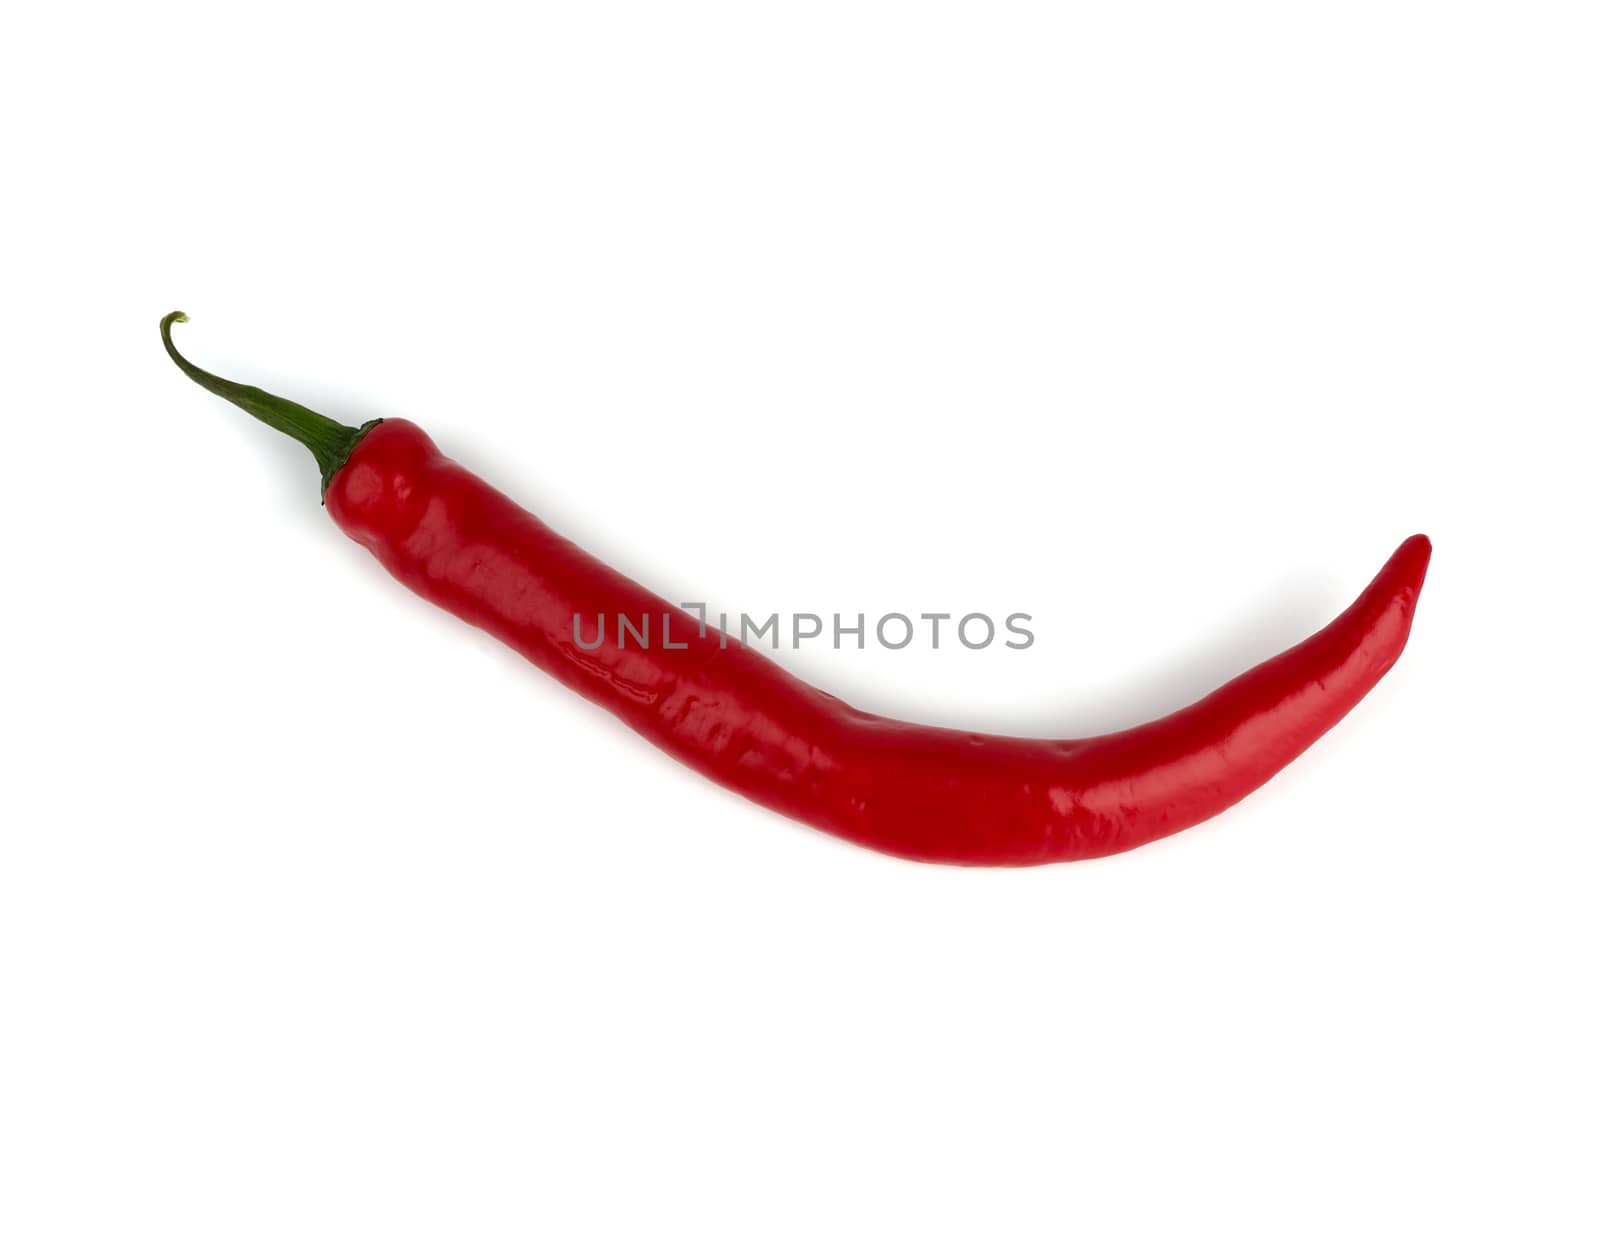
point(328, 923)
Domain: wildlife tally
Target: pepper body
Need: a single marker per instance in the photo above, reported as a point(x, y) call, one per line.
point(915, 791)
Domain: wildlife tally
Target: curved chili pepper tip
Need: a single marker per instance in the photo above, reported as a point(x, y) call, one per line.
point(1411, 558)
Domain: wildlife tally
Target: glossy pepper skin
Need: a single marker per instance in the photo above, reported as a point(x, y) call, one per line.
point(921, 792)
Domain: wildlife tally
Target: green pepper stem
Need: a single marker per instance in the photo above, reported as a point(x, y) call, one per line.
point(330, 442)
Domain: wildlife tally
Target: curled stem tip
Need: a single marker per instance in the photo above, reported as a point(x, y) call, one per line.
point(330, 442)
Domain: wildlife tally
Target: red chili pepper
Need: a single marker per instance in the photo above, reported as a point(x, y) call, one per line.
point(727, 711)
